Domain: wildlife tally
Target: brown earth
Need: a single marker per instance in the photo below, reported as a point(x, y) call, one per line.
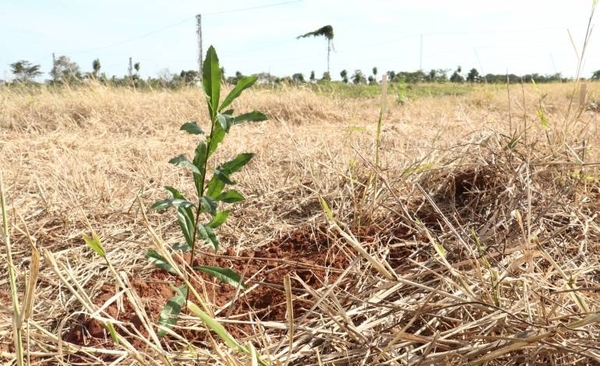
point(303, 253)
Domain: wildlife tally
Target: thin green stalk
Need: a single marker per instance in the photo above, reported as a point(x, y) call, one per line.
point(378, 137)
point(17, 324)
point(213, 121)
point(199, 208)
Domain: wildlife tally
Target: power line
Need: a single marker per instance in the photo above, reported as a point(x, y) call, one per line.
point(492, 31)
point(133, 39)
point(179, 23)
point(236, 54)
point(253, 8)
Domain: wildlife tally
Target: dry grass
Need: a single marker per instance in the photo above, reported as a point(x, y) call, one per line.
point(463, 250)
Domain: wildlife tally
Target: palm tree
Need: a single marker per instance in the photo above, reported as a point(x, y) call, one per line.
point(358, 77)
point(344, 75)
point(96, 66)
point(327, 32)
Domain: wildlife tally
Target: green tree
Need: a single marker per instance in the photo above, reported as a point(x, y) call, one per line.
point(326, 76)
point(441, 75)
point(327, 32)
point(298, 78)
point(189, 76)
point(65, 71)
point(344, 75)
point(96, 66)
point(312, 76)
point(373, 78)
point(265, 78)
point(596, 75)
point(391, 75)
point(432, 76)
point(456, 76)
point(414, 77)
point(24, 71)
point(358, 77)
point(233, 80)
point(473, 76)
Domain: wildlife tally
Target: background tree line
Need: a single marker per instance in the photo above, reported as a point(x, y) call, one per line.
point(67, 72)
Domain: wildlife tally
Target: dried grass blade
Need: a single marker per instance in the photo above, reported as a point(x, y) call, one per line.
point(287, 285)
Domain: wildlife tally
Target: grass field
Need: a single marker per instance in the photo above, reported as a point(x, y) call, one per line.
point(475, 240)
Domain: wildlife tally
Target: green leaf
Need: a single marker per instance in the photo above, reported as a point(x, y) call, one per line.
point(230, 196)
point(200, 157)
point(207, 233)
point(181, 290)
point(224, 275)
point(236, 164)
point(175, 193)
point(178, 199)
point(439, 248)
point(325, 206)
point(165, 204)
point(226, 121)
point(159, 261)
point(543, 119)
point(254, 116)
point(218, 134)
point(162, 204)
point(214, 187)
point(214, 325)
point(170, 313)
point(241, 85)
point(181, 160)
point(223, 176)
point(113, 333)
point(185, 215)
point(181, 247)
point(211, 80)
point(192, 128)
point(95, 243)
point(513, 143)
point(224, 171)
point(219, 219)
point(179, 203)
point(208, 205)
point(185, 218)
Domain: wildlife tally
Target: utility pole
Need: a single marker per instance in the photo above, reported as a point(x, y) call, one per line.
point(199, 31)
point(130, 69)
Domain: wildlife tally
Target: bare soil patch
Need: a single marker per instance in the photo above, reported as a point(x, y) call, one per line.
point(305, 253)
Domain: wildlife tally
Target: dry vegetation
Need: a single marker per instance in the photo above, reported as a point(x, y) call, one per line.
point(464, 245)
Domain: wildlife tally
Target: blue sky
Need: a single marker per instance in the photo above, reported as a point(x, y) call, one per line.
point(494, 36)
